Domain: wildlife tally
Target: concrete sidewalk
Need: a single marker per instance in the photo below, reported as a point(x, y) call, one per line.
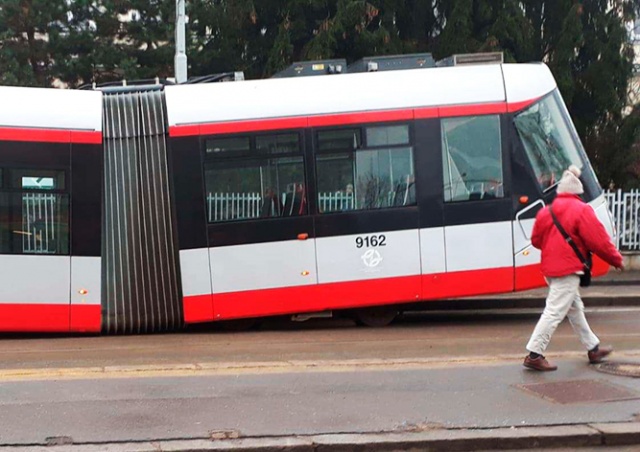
point(481, 405)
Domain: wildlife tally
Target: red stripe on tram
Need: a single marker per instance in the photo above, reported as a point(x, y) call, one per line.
point(50, 135)
point(353, 294)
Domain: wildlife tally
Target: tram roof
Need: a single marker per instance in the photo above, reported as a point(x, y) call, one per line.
point(356, 92)
point(47, 108)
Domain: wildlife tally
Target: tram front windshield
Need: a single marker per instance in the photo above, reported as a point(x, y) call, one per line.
point(549, 139)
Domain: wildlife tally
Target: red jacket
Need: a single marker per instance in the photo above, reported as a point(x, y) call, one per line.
point(581, 223)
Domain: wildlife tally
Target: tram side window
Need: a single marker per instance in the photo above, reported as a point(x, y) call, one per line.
point(365, 168)
point(545, 131)
point(252, 177)
point(34, 212)
point(472, 158)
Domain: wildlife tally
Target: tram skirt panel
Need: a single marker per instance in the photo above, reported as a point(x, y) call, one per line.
point(141, 286)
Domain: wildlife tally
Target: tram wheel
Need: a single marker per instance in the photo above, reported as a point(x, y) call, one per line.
point(376, 316)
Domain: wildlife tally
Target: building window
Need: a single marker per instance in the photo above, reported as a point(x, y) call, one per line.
point(362, 174)
point(34, 212)
point(252, 177)
point(472, 158)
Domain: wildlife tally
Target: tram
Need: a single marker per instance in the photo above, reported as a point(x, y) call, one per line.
point(142, 209)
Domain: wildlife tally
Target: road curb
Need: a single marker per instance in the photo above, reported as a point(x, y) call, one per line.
point(619, 433)
point(570, 436)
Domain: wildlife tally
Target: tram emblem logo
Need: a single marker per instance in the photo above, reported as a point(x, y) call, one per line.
point(371, 258)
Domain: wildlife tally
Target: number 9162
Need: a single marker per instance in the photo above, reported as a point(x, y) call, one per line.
point(369, 241)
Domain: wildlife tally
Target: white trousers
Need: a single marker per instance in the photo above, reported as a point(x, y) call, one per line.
point(563, 300)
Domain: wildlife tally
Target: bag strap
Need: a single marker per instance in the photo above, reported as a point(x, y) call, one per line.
point(568, 239)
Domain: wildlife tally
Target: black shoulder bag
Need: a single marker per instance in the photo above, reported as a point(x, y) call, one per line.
point(585, 279)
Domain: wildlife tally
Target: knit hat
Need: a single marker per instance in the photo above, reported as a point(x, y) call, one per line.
point(570, 182)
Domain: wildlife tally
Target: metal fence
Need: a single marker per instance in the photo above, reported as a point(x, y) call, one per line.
point(625, 209)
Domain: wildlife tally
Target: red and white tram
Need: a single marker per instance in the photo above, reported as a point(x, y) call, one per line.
point(355, 192)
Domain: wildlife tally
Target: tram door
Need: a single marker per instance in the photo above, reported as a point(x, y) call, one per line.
point(477, 209)
point(537, 166)
point(527, 273)
point(260, 233)
point(545, 144)
point(367, 226)
point(35, 261)
point(527, 202)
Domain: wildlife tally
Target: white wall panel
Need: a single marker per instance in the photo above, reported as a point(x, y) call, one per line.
point(35, 279)
point(50, 108)
point(479, 246)
point(432, 251)
point(195, 272)
point(86, 276)
point(305, 96)
point(263, 265)
point(339, 258)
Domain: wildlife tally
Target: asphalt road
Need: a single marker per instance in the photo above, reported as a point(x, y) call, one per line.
point(433, 335)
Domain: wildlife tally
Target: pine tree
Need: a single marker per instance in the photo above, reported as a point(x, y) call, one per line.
point(25, 58)
point(143, 38)
point(88, 47)
point(219, 33)
point(603, 69)
point(586, 47)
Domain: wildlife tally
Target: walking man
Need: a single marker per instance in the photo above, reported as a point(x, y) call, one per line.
point(562, 268)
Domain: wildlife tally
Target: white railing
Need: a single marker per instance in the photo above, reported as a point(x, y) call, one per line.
point(39, 226)
point(336, 202)
point(236, 206)
point(233, 206)
point(625, 209)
